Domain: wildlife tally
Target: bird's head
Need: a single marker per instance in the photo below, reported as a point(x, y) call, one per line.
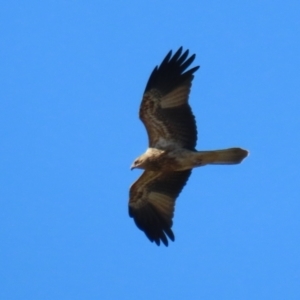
point(137, 164)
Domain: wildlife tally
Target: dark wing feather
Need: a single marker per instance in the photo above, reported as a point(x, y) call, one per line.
point(152, 201)
point(164, 109)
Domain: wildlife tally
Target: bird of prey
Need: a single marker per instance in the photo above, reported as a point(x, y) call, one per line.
point(171, 154)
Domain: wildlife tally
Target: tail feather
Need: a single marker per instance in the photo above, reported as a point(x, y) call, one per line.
point(229, 156)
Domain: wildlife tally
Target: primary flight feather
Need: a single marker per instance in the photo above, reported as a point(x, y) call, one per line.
point(171, 154)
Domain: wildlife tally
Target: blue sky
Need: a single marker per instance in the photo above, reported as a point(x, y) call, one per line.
point(72, 77)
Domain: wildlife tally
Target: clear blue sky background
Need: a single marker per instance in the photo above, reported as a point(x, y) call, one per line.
point(72, 77)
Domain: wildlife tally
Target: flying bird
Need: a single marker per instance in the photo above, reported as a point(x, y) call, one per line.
point(171, 153)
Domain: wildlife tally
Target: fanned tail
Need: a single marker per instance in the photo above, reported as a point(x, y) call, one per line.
point(229, 156)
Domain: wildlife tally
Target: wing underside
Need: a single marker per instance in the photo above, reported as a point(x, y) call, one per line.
point(152, 201)
point(164, 110)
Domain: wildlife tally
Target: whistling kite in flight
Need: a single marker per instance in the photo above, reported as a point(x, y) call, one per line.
point(171, 156)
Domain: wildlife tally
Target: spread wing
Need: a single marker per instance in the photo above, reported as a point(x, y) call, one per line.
point(164, 110)
point(152, 201)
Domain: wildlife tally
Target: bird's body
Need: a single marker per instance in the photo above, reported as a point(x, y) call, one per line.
point(171, 155)
point(180, 159)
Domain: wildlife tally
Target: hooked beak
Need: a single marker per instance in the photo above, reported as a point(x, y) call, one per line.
point(132, 167)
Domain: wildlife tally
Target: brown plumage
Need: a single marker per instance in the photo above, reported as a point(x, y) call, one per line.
point(171, 156)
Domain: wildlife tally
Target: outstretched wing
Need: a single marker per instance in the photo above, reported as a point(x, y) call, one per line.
point(152, 201)
point(164, 110)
